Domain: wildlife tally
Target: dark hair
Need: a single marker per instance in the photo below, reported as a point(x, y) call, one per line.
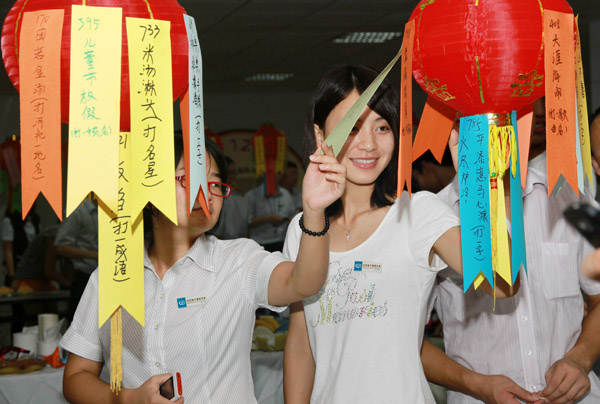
point(333, 88)
point(213, 150)
point(291, 164)
point(428, 156)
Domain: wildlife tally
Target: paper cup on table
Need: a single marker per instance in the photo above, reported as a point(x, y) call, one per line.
point(45, 321)
point(26, 340)
point(45, 348)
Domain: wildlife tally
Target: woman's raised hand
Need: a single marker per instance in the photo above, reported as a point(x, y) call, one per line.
point(324, 180)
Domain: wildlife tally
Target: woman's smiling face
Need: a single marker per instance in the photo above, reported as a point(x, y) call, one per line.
point(370, 145)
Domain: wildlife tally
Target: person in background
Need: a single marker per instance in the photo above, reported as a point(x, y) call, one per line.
point(233, 222)
point(268, 216)
point(37, 268)
point(77, 239)
point(221, 283)
point(537, 339)
point(288, 181)
point(16, 236)
point(537, 143)
point(430, 175)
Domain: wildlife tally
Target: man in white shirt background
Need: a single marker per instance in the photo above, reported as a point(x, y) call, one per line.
point(539, 338)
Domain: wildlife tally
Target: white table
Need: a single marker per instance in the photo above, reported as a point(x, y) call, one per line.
point(45, 386)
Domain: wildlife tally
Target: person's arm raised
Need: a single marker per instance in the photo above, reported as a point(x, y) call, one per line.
point(324, 183)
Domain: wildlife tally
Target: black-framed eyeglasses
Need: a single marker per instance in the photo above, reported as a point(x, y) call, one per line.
point(219, 189)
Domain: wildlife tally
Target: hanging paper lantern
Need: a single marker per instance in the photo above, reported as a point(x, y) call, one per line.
point(485, 59)
point(158, 9)
point(481, 56)
point(269, 146)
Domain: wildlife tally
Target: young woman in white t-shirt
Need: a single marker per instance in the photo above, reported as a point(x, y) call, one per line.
point(201, 294)
point(359, 339)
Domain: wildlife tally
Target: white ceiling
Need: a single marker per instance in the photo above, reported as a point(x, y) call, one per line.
point(240, 38)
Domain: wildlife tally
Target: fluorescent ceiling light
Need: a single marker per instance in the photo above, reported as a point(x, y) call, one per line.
point(367, 37)
point(269, 77)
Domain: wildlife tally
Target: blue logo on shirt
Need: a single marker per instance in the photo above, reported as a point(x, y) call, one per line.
point(181, 303)
point(358, 265)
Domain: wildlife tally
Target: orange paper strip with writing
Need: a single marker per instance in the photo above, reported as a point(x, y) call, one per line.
point(94, 98)
point(121, 249)
point(405, 144)
point(39, 70)
point(151, 90)
point(582, 113)
point(561, 129)
point(434, 130)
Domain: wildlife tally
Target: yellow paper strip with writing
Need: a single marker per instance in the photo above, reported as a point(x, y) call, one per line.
point(582, 112)
point(94, 105)
point(121, 248)
point(150, 78)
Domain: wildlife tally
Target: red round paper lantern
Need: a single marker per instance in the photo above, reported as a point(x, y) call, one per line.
point(161, 10)
point(481, 56)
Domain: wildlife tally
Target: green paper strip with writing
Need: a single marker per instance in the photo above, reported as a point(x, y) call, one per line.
point(339, 134)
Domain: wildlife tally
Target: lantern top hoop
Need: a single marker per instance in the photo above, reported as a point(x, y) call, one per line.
point(499, 119)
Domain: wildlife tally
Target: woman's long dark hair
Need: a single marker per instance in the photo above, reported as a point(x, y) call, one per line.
point(214, 151)
point(333, 88)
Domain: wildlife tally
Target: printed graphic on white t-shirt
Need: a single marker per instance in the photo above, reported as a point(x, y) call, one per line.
point(348, 295)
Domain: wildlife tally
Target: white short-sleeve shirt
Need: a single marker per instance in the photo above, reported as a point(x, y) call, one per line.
point(522, 336)
point(199, 321)
point(366, 324)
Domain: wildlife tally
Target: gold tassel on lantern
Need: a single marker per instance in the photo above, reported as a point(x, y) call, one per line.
point(116, 344)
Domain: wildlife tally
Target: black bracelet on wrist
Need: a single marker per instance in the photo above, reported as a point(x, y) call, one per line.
point(313, 233)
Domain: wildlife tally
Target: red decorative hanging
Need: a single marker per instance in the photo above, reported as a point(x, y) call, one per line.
point(158, 9)
point(269, 146)
point(481, 56)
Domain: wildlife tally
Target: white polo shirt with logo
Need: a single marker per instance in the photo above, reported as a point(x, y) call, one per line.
point(366, 324)
point(199, 321)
